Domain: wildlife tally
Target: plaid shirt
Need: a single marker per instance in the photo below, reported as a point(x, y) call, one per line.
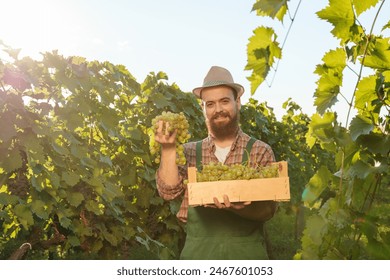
point(261, 154)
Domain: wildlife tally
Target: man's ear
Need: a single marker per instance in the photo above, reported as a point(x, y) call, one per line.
point(238, 100)
point(203, 108)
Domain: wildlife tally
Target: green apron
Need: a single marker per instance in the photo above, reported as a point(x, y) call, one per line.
point(217, 234)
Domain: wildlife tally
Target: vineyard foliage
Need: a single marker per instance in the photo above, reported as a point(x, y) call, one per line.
point(77, 180)
point(77, 176)
point(350, 208)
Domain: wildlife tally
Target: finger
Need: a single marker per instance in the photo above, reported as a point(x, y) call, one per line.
point(246, 203)
point(226, 201)
point(218, 204)
point(160, 127)
point(166, 132)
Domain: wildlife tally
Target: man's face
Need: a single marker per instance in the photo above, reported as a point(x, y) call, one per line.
point(221, 111)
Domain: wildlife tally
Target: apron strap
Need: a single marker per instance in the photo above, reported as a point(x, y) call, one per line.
point(248, 150)
point(199, 155)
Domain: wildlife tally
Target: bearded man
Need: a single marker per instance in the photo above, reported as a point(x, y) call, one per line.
point(223, 230)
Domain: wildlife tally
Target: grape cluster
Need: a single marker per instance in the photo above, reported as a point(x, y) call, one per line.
point(178, 123)
point(219, 172)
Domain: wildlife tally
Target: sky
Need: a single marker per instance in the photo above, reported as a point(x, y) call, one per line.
point(182, 38)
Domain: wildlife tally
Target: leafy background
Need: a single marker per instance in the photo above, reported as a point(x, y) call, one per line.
point(77, 179)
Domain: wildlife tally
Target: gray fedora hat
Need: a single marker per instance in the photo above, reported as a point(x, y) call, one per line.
point(219, 76)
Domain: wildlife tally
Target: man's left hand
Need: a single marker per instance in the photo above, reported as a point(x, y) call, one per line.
point(226, 204)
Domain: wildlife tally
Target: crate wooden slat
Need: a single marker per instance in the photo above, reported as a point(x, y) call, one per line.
point(277, 189)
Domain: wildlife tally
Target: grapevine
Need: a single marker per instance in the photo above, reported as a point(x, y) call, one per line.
point(219, 172)
point(171, 122)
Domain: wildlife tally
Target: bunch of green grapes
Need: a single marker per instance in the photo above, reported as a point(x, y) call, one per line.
point(178, 123)
point(219, 172)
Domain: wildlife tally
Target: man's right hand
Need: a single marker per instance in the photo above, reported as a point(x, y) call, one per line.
point(163, 136)
point(168, 170)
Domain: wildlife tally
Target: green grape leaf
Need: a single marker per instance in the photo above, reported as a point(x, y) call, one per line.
point(340, 14)
point(38, 207)
point(321, 129)
point(317, 184)
point(379, 56)
point(24, 214)
point(360, 169)
point(363, 5)
point(376, 143)
point(272, 8)
point(59, 149)
point(360, 125)
point(13, 161)
point(7, 199)
point(75, 198)
point(365, 92)
point(315, 229)
point(262, 51)
point(330, 81)
point(335, 58)
point(94, 207)
point(8, 130)
point(70, 179)
point(73, 240)
point(65, 222)
point(386, 26)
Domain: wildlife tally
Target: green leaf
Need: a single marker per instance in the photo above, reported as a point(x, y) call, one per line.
point(315, 230)
point(13, 161)
point(272, 8)
point(387, 25)
point(322, 128)
point(317, 184)
point(70, 179)
point(75, 198)
point(93, 206)
point(8, 130)
point(88, 162)
point(363, 5)
point(360, 169)
point(59, 149)
point(262, 50)
point(365, 93)
point(360, 125)
point(7, 199)
point(160, 101)
point(38, 207)
point(331, 78)
point(340, 14)
point(376, 143)
point(111, 192)
point(379, 56)
point(24, 214)
point(73, 240)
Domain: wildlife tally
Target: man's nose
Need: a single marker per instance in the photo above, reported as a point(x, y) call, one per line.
point(218, 107)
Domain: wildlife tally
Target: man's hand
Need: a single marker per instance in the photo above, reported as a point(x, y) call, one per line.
point(165, 137)
point(226, 204)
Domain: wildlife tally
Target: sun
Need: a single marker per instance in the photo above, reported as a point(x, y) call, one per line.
point(38, 26)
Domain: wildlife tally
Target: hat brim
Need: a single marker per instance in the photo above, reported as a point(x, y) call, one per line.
point(237, 87)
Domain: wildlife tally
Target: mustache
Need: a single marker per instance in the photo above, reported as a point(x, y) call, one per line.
point(220, 114)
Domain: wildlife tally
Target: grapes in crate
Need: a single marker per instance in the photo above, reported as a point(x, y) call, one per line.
point(219, 172)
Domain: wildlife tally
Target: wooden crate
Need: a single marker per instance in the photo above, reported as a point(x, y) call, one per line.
point(277, 189)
